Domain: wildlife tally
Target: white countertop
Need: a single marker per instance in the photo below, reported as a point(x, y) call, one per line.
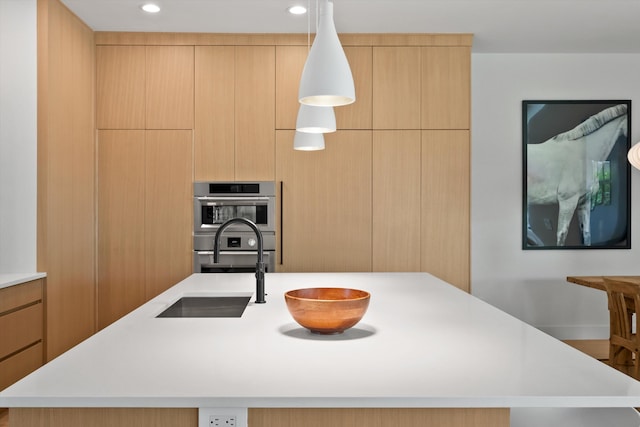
point(422, 343)
point(12, 279)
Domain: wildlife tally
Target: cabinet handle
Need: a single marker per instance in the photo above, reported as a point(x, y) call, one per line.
point(281, 222)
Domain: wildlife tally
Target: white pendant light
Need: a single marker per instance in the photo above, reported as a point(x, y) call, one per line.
point(326, 77)
point(634, 156)
point(312, 119)
point(305, 141)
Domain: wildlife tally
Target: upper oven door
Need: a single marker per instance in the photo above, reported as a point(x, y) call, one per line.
point(211, 211)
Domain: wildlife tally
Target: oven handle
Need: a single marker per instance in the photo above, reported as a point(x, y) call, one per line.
point(252, 253)
point(242, 201)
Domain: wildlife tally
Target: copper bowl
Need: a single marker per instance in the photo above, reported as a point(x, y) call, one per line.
point(327, 310)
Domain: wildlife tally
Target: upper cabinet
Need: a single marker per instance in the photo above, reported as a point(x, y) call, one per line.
point(446, 87)
point(396, 87)
point(235, 113)
point(145, 87)
point(120, 85)
point(255, 107)
point(215, 127)
point(169, 87)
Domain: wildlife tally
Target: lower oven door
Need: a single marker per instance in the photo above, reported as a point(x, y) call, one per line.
point(232, 262)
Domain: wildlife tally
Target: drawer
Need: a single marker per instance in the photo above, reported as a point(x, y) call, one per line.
point(19, 295)
point(20, 328)
point(19, 365)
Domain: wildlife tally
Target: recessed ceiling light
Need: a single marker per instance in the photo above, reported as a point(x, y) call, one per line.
point(150, 7)
point(297, 10)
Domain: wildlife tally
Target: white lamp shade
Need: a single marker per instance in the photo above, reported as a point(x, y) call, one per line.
point(313, 119)
point(326, 77)
point(305, 141)
point(634, 156)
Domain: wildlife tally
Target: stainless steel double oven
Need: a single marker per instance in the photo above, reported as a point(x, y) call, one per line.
point(216, 202)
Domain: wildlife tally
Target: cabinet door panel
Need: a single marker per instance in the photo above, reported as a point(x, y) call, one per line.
point(358, 114)
point(446, 87)
point(396, 200)
point(169, 87)
point(120, 79)
point(289, 64)
point(446, 205)
point(255, 113)
point(121, 223)
point(214, 126)
point(396, 88)
point(168, 209)
point(326, 203)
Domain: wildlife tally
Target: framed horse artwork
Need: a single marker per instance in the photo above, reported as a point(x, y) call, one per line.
point(576, 178)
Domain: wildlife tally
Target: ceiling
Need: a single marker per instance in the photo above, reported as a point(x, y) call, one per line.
point(509, 26)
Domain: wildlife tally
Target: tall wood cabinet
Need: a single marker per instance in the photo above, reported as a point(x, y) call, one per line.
point(144, 216)
point(145, 113)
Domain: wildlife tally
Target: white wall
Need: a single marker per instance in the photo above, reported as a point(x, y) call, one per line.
point(18, 135)
point(531, 284)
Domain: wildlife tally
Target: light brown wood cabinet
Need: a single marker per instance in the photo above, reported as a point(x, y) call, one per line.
point(235, 113)
point(120, 87)
point(396, 200)
point(396, 87)
point(21, 330)
point(325, 203)
point(446, 181)
point(446, 87)
point(144, 216)
point(145, 87)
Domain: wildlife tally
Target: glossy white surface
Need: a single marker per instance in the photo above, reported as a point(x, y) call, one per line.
point(12, 279)
point(422, 343)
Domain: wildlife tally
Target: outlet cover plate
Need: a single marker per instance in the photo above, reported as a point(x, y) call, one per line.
point(205, 414)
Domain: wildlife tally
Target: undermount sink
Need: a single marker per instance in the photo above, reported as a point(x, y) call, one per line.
point(207, 306)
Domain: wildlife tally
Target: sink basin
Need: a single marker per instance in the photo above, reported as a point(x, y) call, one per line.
point(199, 306)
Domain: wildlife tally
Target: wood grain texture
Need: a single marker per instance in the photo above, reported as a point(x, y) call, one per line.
point(20, 365)
point(169, 87)
point(20, 329)
point(396, 88)
point(446, 88)
point(121, 223)
point(103, 417)
point(22, 294)
point(255, 113)
point(214, 113)
point(66, 168)
point(248, 39)
point(120, 85)
point(374, 417)
point(358, 114)
point(445, 233)
point(396, 200)
point(168, 209)
point(326, 203)
point(598, 349)
point(290, 61)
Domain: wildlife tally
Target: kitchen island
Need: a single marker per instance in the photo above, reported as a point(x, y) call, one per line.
point(424, 351)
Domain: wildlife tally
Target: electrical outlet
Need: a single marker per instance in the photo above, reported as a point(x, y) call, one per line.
point(222, 421)
point(222, 417)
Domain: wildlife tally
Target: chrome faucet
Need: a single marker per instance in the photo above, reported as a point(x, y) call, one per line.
point(259, 265)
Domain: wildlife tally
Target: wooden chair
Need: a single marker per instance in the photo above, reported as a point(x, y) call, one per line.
point(624, 344)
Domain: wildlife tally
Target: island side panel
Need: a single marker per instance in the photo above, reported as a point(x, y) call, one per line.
point(103, 417)
point(263, 417)
point(379, 417)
